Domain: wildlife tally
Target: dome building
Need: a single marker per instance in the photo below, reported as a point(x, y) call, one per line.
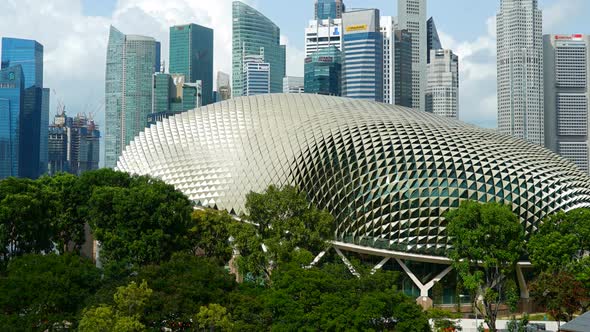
point(386, 173)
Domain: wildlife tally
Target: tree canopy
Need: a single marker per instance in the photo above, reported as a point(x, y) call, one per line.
point(281, 226)
point(488, 241)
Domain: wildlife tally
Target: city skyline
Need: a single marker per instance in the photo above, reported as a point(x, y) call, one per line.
point(77, 80)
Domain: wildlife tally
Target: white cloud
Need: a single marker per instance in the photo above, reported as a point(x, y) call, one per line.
point(295, 58)
point(561, 11)
point(477, 76)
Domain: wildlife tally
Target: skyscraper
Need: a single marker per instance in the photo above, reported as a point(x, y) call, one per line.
point(321, 34)
point(223, 86)
point(28, 54)
point(253, 34)
point(442, 91)
point(388, 27)
point(432, 39)
point(34, 114)
point(12, 84)
point(567, 96)
point(362, 72)
point(131, 63)
point(412, 17)
point(363, 55)
point(257, 75)
point(329, 9)
point(323, 72)
point(191, 54)
point(520, 70)
point(403, 68)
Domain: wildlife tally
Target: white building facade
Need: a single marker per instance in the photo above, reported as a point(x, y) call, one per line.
point(412, 17)
point(321, 34)
point(256, 75)
point(442, 91)
point(388, 27)
point(520, 70)
point(566, 96)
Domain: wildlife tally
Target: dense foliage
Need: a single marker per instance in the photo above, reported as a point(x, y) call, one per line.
point(559, 252)
point(488, 241)
point(165, 266)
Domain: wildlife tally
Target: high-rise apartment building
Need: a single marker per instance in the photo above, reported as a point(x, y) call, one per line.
point(191, 54)
point(12, 82)
point(520, 70)
point(257, 75)
point(329, 9)
point(293, 84)
point(442, 91)
point(363, 55)
point(255, 34)
point(321, 34)
point(131, 63)
point(34, 113)
point(74, 144)
point(323, 72)
point(412, 17)
point(432, 39)
point(223, 86)
point(567, 96)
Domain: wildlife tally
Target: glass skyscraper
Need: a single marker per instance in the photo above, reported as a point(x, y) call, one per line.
point(253, 34)
point(131, 63)
point(191, 54)
point(323, 70)
point(326, 9)
point(363, 55)
point(432, 38)
point(28, 54)
point(12, 84)
point(34, 112)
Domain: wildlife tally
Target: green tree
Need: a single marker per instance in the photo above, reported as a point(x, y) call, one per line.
point(181, 286)
point(560, 293)
point(63, 211)
point(24, 222)
point(210, 234)
point(142, 224)
point(558, 252)
point(282, 226)
point(41, 290)
point(487, 241)
point(321, 299)
point(214, 317)
point(126, 314)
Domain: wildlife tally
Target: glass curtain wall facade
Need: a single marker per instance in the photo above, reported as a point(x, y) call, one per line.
point(28, 54)
point(323, 71)
point(403, 68)
point(191, 54)
point(256, 75)
point(30, 130)
point(254, 33)
point(34, 114)
point(363, 55)
point(12, 83)
point(433, 40)
point(130, 66)
point(329, 9)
